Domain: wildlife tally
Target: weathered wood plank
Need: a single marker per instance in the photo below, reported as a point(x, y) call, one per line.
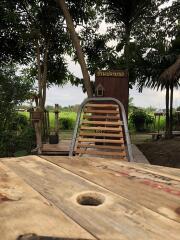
point(173, 173)
point(81, 139)
point(62, 147)
point(117, 218)
point(117, 123)
point(113, 129)
point(102, 105)
point(102, 153)
point(150, 189)
point(87, 110)
point(23, 211)
point(165, 171)
point(92, 134)
point(109, 117)
point(120, 148)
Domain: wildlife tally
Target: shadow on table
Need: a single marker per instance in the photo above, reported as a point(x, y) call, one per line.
point(36, 237)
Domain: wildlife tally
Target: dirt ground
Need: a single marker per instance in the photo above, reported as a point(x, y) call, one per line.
point(162, 152)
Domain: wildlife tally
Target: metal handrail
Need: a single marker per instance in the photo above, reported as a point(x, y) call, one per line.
point(127, 137)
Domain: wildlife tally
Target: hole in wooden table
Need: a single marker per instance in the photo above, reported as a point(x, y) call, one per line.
point(90, 199)
point(32, 236)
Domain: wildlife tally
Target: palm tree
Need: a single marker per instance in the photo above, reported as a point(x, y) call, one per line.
point(166, 78)
point(169, 79)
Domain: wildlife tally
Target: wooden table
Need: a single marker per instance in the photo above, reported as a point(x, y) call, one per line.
point(44, 196)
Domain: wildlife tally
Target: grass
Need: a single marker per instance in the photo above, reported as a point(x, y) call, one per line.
point(62, 115)
point(162, 123)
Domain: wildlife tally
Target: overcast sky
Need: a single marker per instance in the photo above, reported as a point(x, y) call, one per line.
point(70, 95)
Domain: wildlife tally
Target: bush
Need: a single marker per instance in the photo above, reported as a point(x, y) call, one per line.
point(18, 123)
point(176, 121)
point(67, 123)
point(17, 135)
point(27, 139)
point(141, 120)
point(7, 143)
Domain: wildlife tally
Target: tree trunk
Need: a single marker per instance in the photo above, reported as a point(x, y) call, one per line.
point(44, 75)
point(126, 53)
point(38, 125)
point(127, 45)
point(76, 43)
point(167, 111)
point(171, 111)
point(39, 74)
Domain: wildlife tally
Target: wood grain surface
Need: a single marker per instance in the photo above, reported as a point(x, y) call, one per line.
point(136, 203)
point(24, 211)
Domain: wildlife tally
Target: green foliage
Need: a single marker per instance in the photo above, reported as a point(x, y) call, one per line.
point(67, 120)
point(25, 24)
point(7, 143)
point(13, 90)
point(26, 140)
point(69, 115)
point(176, 121)
point(66, 123)
point(141, 120)
point(160, 50)
point(18, 135)
point(33, 23)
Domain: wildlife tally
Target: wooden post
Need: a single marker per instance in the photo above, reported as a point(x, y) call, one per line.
point(30, 110)
point(37, 116)
point(155, 123)
point(56, 111)
point(48, 124)
point(37, 126)
point(45, 125)
point(159, 116)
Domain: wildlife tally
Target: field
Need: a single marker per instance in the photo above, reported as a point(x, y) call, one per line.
point(71, 116)
point(67, 122)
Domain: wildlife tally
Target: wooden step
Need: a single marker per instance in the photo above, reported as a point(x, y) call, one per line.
point(102, 105)
point(117, 123)
point(80, 139)
point(118, 129)
point(101, 153)
point(109, 117)
point(86, 110)
point(120, 147)
point(95, 134)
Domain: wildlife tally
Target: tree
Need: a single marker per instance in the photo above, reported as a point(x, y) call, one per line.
point(170, 77)
point(76, 43)
point(14, 90)
point(128, 19)
point(159, 66)
point(41, 37)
